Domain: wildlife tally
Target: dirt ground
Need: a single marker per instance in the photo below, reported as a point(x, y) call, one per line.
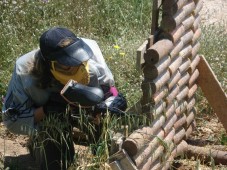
point(13, 149)
point(214, 12)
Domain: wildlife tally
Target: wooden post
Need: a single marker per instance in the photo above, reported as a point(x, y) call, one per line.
point(190, 129)
point(172, 94)
point(154, 17)
point(181, 120)
point(188, 22)
point(169, 3)
point(186, 51)
point(140, 55)
point(191, 104)
point(176, 49)
point(194, 64)
point(175, 65)
point(169, 124)
point(157, 51)
point(184, 66)
point(169, 23)
point(184, 79)
point(180, 134)
point(153, 71)
point(196, 23)
point(177, 151)
point(190, 118)
point(196, 36)
point(148, 149)
point(192, 91)
point(156, 165)
point(193, 78)
point(160, 81)
point(174, 35)
point(147, 92)
point(195, 49)
point(173, 80)
point(139, 139)
point(205, 154)
point(171, 7)
point(152, 157)
point(182, 107)
point(187, 37)
point(160, 95)
point(198, 7)
point(212, 90)
point(180, 149)
point(158, 109)
point(189, 7)
point(158, 123)
point(183, 93)
point(170, 110)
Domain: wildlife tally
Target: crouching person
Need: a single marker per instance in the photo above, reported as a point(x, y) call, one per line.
point(33, 104)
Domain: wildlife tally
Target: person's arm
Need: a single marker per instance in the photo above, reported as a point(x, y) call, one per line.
point(98, 76)
point(39, 114)
point(105, 77)
point(19, 100)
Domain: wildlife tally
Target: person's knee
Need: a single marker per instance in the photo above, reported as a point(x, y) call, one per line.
point(10, 126)
point(17, 128)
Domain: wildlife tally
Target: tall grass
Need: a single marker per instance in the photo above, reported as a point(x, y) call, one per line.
point(214, 48)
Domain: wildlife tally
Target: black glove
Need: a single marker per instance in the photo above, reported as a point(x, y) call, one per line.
point(55, 104)
point(115, 105)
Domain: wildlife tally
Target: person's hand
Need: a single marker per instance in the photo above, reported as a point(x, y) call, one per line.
point(52, 107)
point(39, 114)
point(97, 119)
point(115, 105)
point(55, 104)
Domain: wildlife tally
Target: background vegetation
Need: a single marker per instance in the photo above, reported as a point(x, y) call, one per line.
point(119, 27)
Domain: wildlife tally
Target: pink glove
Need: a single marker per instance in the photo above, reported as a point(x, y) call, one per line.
point(114, 91)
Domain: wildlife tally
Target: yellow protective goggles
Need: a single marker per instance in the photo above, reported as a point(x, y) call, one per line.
point(64, 73)
point(68, 70)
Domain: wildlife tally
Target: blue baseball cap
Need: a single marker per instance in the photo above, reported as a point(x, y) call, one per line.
point(73, 54)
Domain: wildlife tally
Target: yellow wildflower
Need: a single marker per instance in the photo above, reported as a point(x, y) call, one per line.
point(122, 54)
point(116, 46)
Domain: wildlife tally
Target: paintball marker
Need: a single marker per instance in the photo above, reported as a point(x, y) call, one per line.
point(78, 94)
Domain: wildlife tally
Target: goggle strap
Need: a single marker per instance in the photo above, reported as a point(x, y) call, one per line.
point(52, 65)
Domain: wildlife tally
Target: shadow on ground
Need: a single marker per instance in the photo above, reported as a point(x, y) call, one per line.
point(20, 162)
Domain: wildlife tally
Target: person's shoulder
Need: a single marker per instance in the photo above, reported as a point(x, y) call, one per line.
point(91, 43)
point(87, 40)
point(26, 57)
point(25, 62)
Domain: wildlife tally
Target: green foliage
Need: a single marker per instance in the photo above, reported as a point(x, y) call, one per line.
point(213, 47)
point(224, 139)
